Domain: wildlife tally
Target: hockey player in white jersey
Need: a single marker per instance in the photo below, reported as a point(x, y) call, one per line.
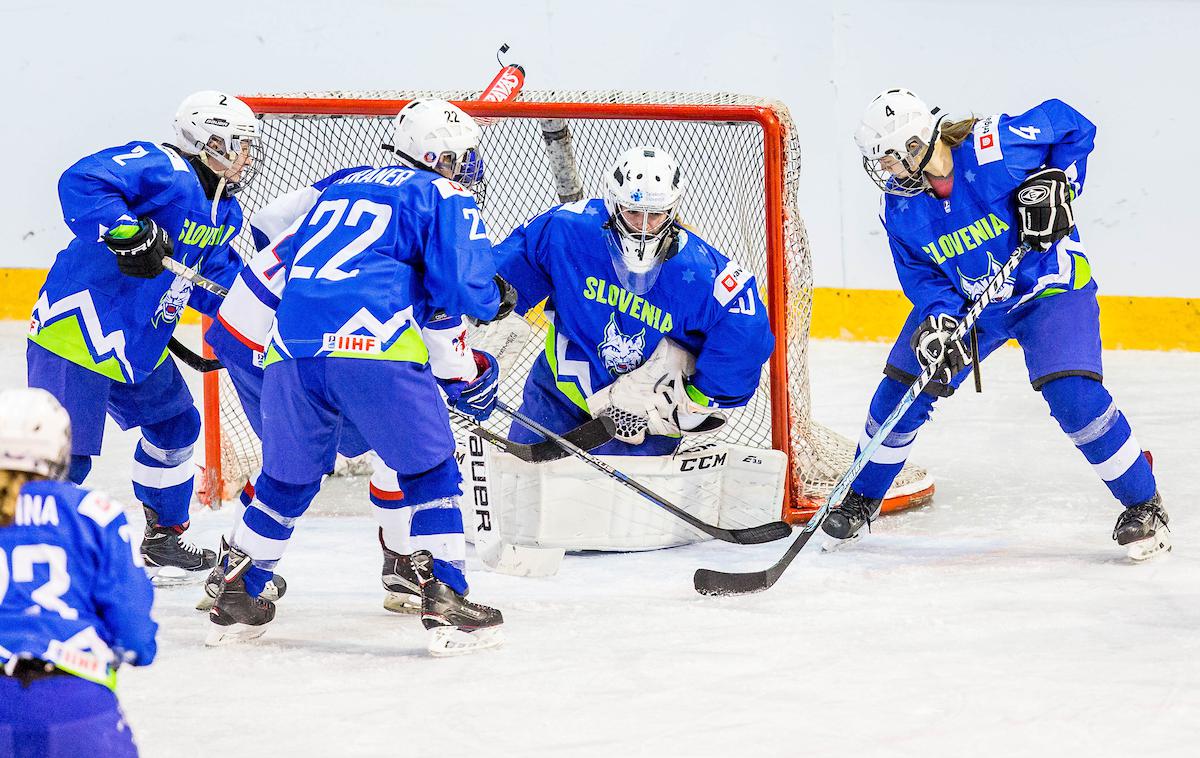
point(384, 252)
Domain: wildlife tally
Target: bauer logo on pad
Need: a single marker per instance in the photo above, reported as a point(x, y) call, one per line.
point(352, 343)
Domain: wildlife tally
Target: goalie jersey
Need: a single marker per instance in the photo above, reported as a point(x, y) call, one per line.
point(88, 311)
point(383, 251)
point(947, 250)
point(599, 330)
point(77, 590)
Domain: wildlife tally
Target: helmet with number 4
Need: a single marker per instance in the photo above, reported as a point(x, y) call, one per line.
point(896, 137)
point(440, 136)
point(224, 132)
point(35, 433)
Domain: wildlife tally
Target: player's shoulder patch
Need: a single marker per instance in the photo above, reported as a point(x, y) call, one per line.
point(177, 161)
point(730, 281)
point(100, 508)
point(987, 140)
point(448, 188)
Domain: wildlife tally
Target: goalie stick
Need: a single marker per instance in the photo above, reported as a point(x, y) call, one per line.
point(710, 582)
point(589, 435)
point(775, 530)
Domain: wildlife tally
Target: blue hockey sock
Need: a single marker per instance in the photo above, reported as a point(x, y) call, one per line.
point(874, 480)
point(1090, 417)
point(269, 520)
point(81, 466)
point(163, 471)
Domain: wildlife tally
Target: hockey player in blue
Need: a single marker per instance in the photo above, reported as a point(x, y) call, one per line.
point(103, 318)
point(627, 286)
point(383, 252)
point(959, 198)
point(74, 598)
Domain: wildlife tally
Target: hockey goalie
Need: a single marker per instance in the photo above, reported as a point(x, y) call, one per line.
point(646, 323)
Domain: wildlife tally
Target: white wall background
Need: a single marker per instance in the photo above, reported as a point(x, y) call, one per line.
point(87, 75)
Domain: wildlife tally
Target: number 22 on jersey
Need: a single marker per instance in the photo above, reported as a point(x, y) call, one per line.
point(328, 260)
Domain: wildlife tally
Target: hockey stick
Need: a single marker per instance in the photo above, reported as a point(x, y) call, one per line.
point(177, 268)
point(710, 582)
point(753, 535)
point(191, 360)
point(589, 435)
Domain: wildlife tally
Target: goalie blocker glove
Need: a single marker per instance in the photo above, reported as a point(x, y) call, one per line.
point(477, 398)
point(1044, 207)
point(933, 346)
point(140, 248)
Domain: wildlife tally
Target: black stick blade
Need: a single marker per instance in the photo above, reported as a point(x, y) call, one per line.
point(709, 582)
point(756, 535)
point(588, 436)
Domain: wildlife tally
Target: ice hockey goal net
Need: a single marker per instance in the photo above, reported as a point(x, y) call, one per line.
point(742, 161)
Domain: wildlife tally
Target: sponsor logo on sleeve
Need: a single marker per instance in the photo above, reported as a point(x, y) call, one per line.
point(987, 141)
point(730, 282)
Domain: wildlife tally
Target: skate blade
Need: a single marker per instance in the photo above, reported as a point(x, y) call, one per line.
point(206, 602)
point(445, 641)
point(402, 602)
point(833, 544)
point(1144, 550)
point(219, 636)
point(172, 576)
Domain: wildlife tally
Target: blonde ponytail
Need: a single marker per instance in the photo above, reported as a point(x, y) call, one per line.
point(954, 133)
point(11, 483)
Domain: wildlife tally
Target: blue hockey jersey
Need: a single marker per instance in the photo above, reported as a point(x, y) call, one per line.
point(88, 311)
point(599, 330)
point(946, 250)
point(72, 586)
point(382, 250)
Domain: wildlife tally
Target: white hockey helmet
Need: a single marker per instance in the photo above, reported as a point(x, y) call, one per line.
point(896, 137)
point(35, 433)
point(642, 193)
point(440, 136)
point(223, 130)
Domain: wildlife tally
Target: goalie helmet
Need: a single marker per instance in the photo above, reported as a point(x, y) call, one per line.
point(440, 136)
point(225, 132)
point(35, 433)
point(895, 138)
point(642, 194)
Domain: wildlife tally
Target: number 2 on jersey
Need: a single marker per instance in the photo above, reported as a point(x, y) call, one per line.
point(329, 216)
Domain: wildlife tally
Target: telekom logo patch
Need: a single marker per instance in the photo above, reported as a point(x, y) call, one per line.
point(352, 343)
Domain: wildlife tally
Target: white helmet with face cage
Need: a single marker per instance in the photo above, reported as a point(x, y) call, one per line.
point(642, 193)
point(224, 131)
point(895, 138)
point(440, 136)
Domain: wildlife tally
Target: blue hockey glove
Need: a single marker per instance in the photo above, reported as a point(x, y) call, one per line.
point(476, 398)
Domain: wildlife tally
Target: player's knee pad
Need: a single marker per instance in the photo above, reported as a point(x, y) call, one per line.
point(287, 501)
point(442, 481)
point(1075, 401)
point(178, 432)
point(81, 466)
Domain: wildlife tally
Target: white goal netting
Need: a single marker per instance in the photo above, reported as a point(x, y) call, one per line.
point(742, 162)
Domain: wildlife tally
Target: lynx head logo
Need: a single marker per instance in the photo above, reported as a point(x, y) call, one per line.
point(174, 300)
point(975, 286)
point(621, 353)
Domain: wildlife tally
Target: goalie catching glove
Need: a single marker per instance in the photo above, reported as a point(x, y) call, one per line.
point(934, 347)
point(1044, 207)
point(653, 399)
point(140, 248)
point(476, 398)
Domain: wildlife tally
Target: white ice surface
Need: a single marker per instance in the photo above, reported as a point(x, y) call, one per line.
point(999, 621)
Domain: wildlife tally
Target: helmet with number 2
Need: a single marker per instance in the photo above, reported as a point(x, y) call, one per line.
point(896, 137)
point(224, 132)
point(440, 136)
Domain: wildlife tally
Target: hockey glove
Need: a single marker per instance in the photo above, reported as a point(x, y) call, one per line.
point(933, 346)
point(476, 398)
point(1044, 207)
point(140, 250)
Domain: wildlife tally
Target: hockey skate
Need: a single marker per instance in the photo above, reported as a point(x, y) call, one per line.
point(1142, 529)
point(274, 590)
point(170, 559)
point(844, 521)
point(236, 616)
point(401, 582)
point(457, 625)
